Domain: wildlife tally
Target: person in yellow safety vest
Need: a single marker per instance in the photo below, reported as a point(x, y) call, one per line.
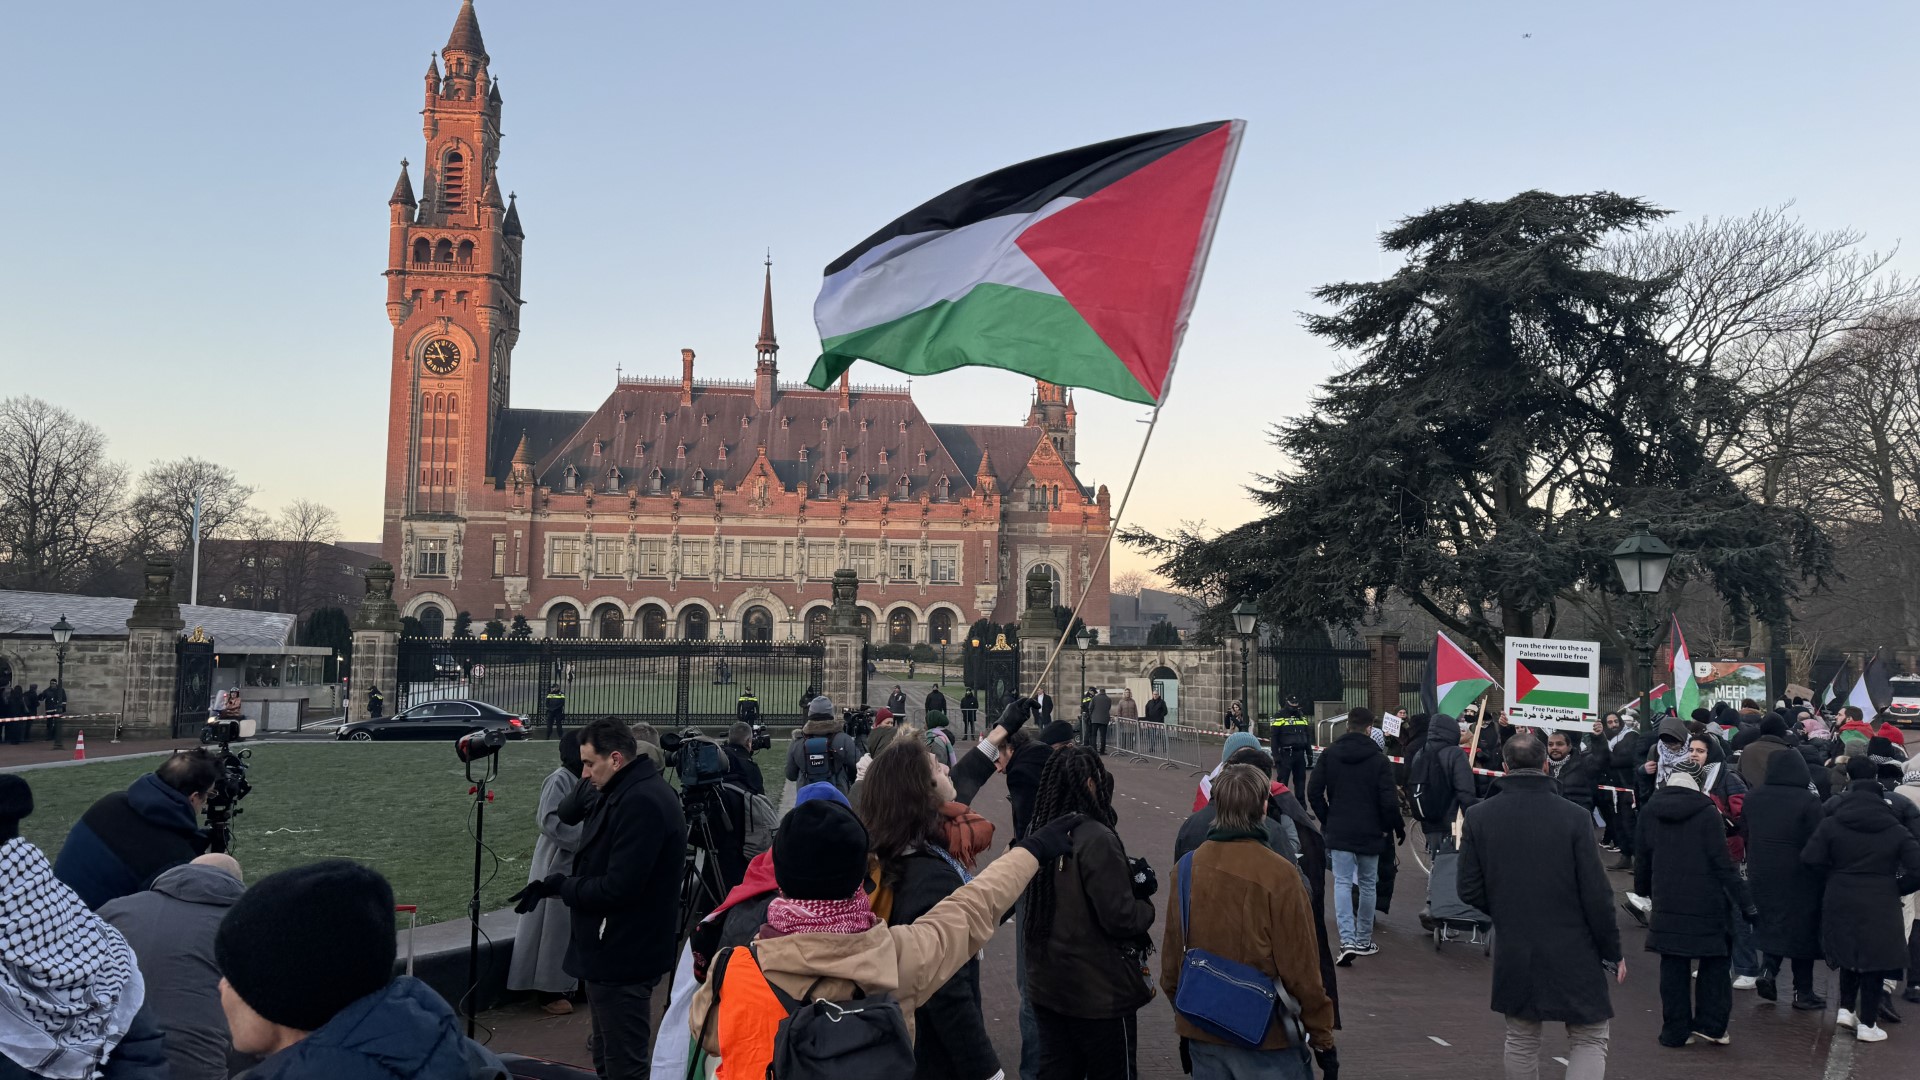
point(556, 711)
point(747, 708)
point(1291, 737)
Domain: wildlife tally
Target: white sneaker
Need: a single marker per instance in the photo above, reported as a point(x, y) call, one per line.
point(1845, 1019)
point(1745, 982)
point(1639, 903)
point(1869, 1034)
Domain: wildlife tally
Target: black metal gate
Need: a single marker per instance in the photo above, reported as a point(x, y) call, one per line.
point(192, 686)
point(673, 683)
point(1001, 668)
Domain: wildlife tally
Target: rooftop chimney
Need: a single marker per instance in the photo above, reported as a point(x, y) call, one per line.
point(686, 376)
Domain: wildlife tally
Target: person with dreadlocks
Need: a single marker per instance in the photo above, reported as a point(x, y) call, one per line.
point(1086, 918)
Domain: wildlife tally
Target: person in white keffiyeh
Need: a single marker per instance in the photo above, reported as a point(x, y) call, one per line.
point(71, 994)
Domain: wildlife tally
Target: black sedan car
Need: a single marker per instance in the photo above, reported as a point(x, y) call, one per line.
point(443, 721)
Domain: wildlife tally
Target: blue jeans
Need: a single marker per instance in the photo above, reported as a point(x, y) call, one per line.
point(1212, 1061)
point(1746, 961)
point(1351, 868)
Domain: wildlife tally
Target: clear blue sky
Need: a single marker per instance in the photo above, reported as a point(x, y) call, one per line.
point(196, 193)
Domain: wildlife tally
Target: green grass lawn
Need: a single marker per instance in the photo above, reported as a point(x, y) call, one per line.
point(519, 688)
point(401, 808)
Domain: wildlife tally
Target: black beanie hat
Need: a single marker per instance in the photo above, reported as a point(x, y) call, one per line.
point(1859, 768)
point(303, 944)
point(1057, 732)
point(1774, 724)
point(1880, 746)
point(16, 802)
point(819, 852)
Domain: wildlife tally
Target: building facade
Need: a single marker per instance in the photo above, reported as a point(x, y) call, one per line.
point(682, 507)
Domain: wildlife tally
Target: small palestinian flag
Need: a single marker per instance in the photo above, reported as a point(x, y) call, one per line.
point(1456, 680)
point(1656, 699)
point(1686, 696)
point(1871, 692)
point(1079, 268)
point(1828, 697)
point(1558, 684)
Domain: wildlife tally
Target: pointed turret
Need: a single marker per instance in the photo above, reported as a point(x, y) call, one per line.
point(766, 369)
point(433, 70)
point(493, 95)
point(466, 34)
point(511, 225)
point(522, 469)
point(403, 189)
point(521, 455)
point(490, 195)
point(983, 479)
point(768, 344)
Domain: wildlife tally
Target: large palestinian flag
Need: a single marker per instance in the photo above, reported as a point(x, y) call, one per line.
point(1560, 684)
point(1686, 688)
point(1456, 680)
point(1079, 268)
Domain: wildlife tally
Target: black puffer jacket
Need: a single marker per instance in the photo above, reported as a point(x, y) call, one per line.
point(1579, 778)
point(950, 1035)
point(1681, 863)
point(1441, 762)
point(1860, 847)
point(1781, 816)
point(1082, 970)
point(1351, 791)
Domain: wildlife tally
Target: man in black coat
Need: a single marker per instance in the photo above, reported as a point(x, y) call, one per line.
point(1578, 774)
point(936, 701)
point(1351, 792)
point(1870, 861)
point(624, 894)
point(1777, 820)
point(969, 710)
point(1527, 859)
point(1099, 718)
point(1683, 867)
point(1444, 781)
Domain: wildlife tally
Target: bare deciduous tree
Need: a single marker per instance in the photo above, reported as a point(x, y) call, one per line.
point(1131, 582)
point(60, 497)
point(305, 528)
point(162, 509)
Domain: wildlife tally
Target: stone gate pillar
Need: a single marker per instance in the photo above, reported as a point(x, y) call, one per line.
point(153, 631)
point(376, 645)
point(1038, 636)
point(1383, 671)
point(846, 644)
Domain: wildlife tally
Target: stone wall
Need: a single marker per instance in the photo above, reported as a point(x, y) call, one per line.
point(96, 669)
point(1209, 677)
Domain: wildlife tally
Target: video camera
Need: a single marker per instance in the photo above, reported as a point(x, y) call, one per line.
point(702, 762)
point(229, 787)
point(858, 720)
point(762, 738)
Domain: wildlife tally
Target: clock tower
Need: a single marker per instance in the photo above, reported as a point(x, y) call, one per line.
point(453, 297)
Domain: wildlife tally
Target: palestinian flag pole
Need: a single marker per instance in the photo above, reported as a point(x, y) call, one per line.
point(1686, 689)
point(1872, 675)
point(1079, 268)
point(1654, 697)
point(1828, 698)
point(1458, 680)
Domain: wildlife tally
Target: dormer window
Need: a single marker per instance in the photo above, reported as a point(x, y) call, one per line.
point(613, 478)
point(569, 479)
point(786, 422)
point(803, 455)
point(902, 488)
point(843, 457)
point(654, 481)
point(825, 423)
point(883, 459)
point(942, 489)
point(681, 450)
point(861, 487)
point(820, 484)
point(746, 422)
point(923, 458)
point(596, 448)
point(903, 427)
point(699, 483)
point(863, 425)
point(705, 419)
point(723, 453)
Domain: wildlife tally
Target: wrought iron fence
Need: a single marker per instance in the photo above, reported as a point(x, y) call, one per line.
point(1308, 675)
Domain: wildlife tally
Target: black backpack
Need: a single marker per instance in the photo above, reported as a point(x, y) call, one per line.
point(819, 760)
point(1430, 788)
point(838, 1040)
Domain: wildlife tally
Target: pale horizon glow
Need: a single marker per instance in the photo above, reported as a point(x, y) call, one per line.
point(198, 223)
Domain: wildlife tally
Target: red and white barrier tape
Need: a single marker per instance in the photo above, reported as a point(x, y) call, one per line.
point(50, 716)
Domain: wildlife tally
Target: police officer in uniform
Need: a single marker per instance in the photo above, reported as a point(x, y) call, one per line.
point(556, 711)
point(1291, 737)
point(747, 709)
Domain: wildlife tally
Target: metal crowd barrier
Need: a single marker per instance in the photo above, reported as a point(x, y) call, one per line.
point(1169, 746)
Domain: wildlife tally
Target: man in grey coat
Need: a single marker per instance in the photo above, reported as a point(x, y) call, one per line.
point(1100, 717)
point(171, 928)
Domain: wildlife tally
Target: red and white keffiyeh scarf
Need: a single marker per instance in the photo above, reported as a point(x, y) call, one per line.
point(850, 916)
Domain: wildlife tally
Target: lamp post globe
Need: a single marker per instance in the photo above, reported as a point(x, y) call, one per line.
point(1246, 619)
point(62, 634)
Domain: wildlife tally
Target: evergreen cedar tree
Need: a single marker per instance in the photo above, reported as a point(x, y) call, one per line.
point(1163, 633)
point(1511, 413)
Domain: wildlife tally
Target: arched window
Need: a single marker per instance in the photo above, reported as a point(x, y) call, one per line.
point(1053, 578)
point(609, 622)
point(433, 621)
point(693, 623)
point(563, 621)
point(940, 627)
point(900, 627)
point(699, 483)
point(654, 480)
point(756, 624)
point(816, 623)
point(942, 489)
point(443, 251)
point(422, 250)
point(862, 487)
point(569, 479)
point(653, 623)
point(902, 488)
point(465, 254)
point(453, 183)
point(613, 478)
point(866, 624)
point(820, 484)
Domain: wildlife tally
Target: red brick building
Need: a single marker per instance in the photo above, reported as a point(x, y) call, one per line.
point(681, 507)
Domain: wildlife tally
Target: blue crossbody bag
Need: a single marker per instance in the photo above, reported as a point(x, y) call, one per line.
point(1224, 997)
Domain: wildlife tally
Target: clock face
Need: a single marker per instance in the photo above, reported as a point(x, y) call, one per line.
point(442, 357)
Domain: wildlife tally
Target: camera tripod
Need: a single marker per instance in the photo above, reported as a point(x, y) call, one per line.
point(489, 771)
point(702, 885)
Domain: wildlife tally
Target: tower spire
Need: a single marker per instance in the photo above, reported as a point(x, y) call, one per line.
point(466, 34)
point(766, 369)
point(768, 344)
point(402, 189)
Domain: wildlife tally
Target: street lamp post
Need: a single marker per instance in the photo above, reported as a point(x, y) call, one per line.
point(1082, 640)
point(1245, 618)
point(62, 633)
point(1642, 560)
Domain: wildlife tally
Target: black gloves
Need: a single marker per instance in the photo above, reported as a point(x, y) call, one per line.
point(1052, 840)
point(1329, 1062)
point(1145, 884)
point(1752, 915)
point(535, 892)
point(1015, 715)
point(578, 803)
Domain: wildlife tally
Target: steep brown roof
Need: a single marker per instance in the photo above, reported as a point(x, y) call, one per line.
point(643, 427)
point(1009, 448)
point(543, 429)
point(402, 188)
point(466, 32)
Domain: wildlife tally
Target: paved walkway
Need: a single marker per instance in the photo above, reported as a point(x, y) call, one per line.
point(1409, 1012)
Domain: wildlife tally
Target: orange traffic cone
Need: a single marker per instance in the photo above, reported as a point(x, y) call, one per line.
point(80, 746)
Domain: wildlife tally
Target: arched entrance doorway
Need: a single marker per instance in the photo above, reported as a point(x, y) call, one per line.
point(940, 627)
point(1167, 681)
point(756, 624)
point(563, 621)
point(653, 622)
point(816, 623)
point(693, 623)
point(609, 622)
point(1053, 579)
point(433, 621)
point(900, 627)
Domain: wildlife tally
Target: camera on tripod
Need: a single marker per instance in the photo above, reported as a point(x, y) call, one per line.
point(701, 761)
point(762, 738)
point(858, 721)
point(229, 787)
